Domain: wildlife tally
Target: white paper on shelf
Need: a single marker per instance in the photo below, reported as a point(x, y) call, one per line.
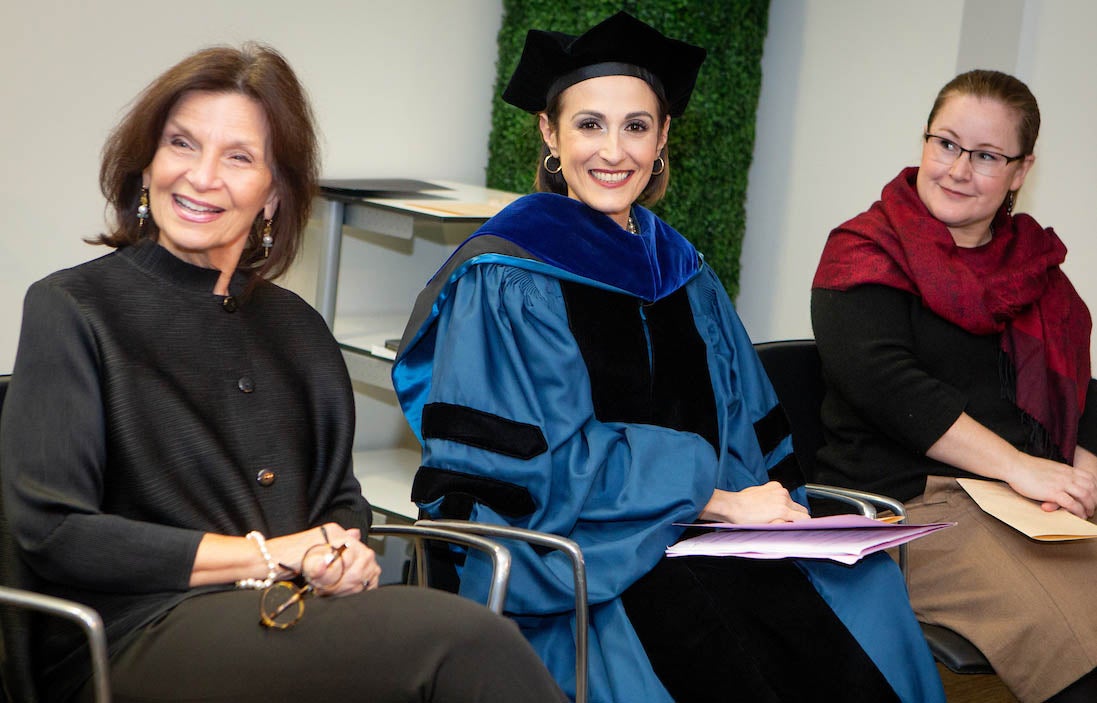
point(380, 350)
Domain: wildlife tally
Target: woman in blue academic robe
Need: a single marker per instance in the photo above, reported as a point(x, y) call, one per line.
point(577, 368)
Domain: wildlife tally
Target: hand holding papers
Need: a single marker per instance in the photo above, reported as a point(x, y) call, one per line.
point(841, 538)
point(1024, 515)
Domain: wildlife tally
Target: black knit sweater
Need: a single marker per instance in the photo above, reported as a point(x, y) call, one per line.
point(898, 376)
point(141, 413)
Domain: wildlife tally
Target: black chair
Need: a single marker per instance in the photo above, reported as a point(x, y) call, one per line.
point(18, 602)
point(795, 370)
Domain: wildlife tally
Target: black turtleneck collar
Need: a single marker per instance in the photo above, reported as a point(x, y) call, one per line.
point(157, 261)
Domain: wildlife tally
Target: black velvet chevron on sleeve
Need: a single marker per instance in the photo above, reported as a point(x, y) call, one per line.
point(788, 472)
point(461, 490)
point(476, 428)
point(770, 431)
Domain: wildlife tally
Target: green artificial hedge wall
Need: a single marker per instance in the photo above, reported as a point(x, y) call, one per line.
point(710, 145)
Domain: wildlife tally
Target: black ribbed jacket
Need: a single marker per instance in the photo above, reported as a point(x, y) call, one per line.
point(141, 412)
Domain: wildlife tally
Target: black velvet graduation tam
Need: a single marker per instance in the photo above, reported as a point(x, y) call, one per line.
point(619, 46)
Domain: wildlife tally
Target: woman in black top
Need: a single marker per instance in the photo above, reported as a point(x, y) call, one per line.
point(178, 433)
point(954, 346)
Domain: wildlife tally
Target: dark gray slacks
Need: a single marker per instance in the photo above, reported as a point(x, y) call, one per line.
point(394, 644)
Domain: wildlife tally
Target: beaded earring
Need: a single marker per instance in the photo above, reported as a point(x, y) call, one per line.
point(143, 209)
point(268, 240)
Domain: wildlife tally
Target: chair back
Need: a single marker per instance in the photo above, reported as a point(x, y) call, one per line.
point(15, 622)
point(796, 372)
point(794, 369)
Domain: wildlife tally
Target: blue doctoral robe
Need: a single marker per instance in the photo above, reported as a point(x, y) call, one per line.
point(495, 384)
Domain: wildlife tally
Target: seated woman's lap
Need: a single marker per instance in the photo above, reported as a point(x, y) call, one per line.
point(751, 629)
point(1022, 602)
point(393, 644)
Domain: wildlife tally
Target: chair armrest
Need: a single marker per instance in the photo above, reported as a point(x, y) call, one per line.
point(85, 617)
point(861, 499)
point(875, 499)
point(500, 555)
point(579, 571)
point(954, 651)
point(842, 495)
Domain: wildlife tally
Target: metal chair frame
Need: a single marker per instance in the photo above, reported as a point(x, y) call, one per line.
point(420, 532)
point(579, 573)
point(88, 620)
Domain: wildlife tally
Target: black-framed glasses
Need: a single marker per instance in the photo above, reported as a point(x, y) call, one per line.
point(282, 604)
point(985, 163)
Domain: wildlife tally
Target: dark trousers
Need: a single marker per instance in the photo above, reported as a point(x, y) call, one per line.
point(729, 629)
point(394, 644)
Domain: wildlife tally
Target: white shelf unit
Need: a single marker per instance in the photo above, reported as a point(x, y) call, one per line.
point(386, 476)
point(363, 262)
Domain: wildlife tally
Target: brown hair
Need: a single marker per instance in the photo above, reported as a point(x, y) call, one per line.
point(258, 72)
point(546, 182)
point(1002, 87)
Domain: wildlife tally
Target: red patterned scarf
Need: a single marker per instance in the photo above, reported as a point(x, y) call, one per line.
point(1013, 287)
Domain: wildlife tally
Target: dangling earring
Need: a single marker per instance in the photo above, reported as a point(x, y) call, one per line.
point(143, 209)
point(662, 165)
point(1009, 203)
point(559, 165)
point(268, 240)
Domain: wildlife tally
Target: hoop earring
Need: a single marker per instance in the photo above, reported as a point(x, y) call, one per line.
point(268, 240)
point(559, 165)
point(662, 166)
point(1009, 203)
point(143, 209)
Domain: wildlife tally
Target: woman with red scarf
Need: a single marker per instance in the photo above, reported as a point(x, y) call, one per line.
point(953, 345)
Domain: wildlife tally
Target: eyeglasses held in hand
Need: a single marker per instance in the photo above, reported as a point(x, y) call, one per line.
point(283, 603)
point(985, 163)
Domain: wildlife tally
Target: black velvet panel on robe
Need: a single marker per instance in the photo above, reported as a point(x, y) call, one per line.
point(728, 629)
point(646, 361)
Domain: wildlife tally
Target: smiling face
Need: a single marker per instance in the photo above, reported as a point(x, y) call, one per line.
point(607, 139)
point(210, 178)
point(963, 200)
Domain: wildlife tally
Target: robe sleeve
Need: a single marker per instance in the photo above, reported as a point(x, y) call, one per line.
point(756, 438)
point(509, 423)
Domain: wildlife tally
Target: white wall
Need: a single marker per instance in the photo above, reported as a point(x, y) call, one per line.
point(399, 88)
point(402, 89)
point(1057, 60)
point(846, 89)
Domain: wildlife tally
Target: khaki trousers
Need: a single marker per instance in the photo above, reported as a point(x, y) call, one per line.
point(1031, 607)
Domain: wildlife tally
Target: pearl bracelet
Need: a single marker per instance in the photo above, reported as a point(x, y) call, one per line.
point(272, 568)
